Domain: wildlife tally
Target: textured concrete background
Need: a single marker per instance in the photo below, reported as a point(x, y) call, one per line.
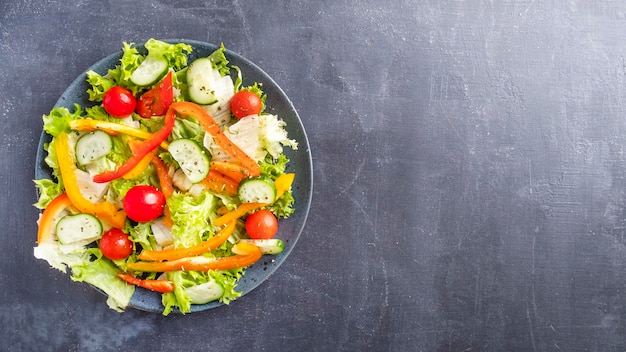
point(469, 168)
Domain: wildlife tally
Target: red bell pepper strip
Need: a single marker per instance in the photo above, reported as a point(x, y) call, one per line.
point(163, 286)
point(248, 255)
point(49, 217)
point(188, 109)
point(157, 100)
point(141, 165)
point(142, 149)
point(67, 164)
point(236, 213)
point(177, 253)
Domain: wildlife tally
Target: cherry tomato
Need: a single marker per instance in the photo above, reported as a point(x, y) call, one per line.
point(157, 100)
point(115, 244)
point(119, 101)
point(261, 224)
point(245, 103)
point(144, 203)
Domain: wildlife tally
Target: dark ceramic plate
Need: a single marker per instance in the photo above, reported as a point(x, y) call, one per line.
point(300, 162)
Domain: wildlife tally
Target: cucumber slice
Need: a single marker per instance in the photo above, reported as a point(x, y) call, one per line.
point(201, 80)
point(93, 146)
point(268, 246)
point(257, 190)
point(205, 293)
point(79, 227)
point(191, 158)
point(151, 69)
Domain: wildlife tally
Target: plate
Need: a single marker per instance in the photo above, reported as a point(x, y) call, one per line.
point(277, 103)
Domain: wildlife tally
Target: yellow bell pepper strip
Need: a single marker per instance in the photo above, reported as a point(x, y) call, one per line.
point(48, 219)
point(248, 254)
point(236, 213)
point(232, 170)
point(67, 164)
point(283, 183)
point(142, 149)
point(142, 165)
point(177, 253)
point(162, 286)
point(188, 109)
point(112, 128)
point(219, 183)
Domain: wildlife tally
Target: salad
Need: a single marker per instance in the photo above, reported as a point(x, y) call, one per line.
point(172, 180)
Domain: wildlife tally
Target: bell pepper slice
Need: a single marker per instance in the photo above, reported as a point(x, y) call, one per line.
point(49, 217)
point(162, 286)
point(165, 182)
point(142, 165)
point(142, 149)
point(219, 183)
point(248, 254)
point(283, 183)
point(112, 128)
point(157, 100)
point(232, 170)
point(177, 253)
point(236, 213)
point(104, 210)
point(188, 109)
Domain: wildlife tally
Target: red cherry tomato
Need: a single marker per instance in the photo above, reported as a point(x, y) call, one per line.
point(115, 244)
point(119, 101)
point(144, 203)
point(261, 224)
point(157, 100)
point(245, 103)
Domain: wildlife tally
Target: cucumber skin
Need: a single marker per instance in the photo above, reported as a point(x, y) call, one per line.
point(199, 77)
point(247, 193)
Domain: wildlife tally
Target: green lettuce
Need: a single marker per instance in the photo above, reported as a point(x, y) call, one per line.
point(191, 217)
point(175, 54)
point(48, 190)
point(101, 273)
point(185, 279)
point(219, 60)
point(58, 119)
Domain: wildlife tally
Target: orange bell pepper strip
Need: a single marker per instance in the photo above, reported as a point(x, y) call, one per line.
point(162, 286)
point(67, 164)
point(177, 253)
point(248, 254)
point(232, 170)
point(165, 183)
point(143, 163)
point(142, 149)
point(49, 217)
point(188, 109)
point(283, 183)
point(219, 183)
point(112, 128)
point(236, 213)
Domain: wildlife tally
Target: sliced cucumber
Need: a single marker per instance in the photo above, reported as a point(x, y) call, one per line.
point(93, 146)
point(151, 69)
point(201, 80)
point(191, 158)
point(257, 190)
point(79, 227)
point(268, 246)
point(205, 293)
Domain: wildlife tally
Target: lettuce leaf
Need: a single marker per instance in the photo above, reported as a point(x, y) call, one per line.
point(48, 190)
point(175, 54)
point(101, 274)
point(58, 119)
point(219, 60)
point(191, 217)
